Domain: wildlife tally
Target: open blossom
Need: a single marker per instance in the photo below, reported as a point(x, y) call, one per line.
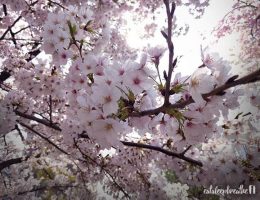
point(200, 83)
point(106, 132)
point(63, 39)
point(199, 113)
point(49, 46)
point(137, 82)
point(89, 64)
point(107, 96)
point(85, 14)
point(108, 78)
point(194, 133)
point(156, 53)
point(62, 56)
point(254, 97)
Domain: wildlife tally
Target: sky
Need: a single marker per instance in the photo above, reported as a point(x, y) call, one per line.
point(188, 46)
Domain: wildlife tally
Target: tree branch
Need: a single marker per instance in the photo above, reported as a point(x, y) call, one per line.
point(253, 77)
point(41, 121)
point(19, 132)
point(13, 161)
point(43, 137)
point(250, 78)
point(50, 109)
point(102, 168)
point(4, 75)
point(162, 150)
point(168, 36)
point(10, 27)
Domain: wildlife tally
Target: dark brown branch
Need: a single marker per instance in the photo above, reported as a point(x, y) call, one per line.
point(253, 77)
point(13, 37)
point(19, 132)
point(250, 78)
point(168, 37)
point(50, 107)
point(41, 121)
point(33, 54)
point(162, 150)
point(10, 162)
point(43, 137)
point(10, 27)
point(22, 29)
point(4, 75)
point(5, 9)
point(57, 4)
point(45, 122)
point(148, 112)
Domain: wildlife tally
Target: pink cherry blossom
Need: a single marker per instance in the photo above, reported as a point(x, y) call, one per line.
point(107, 96)
point(200, 83)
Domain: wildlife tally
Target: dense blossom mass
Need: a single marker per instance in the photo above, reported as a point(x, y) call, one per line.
point(84, 116)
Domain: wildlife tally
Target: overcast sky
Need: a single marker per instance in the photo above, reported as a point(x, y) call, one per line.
point(188, 45)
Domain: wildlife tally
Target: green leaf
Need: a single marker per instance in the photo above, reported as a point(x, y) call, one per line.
point(81, 44)
point(122, 109)
point(161, 87)
point(171, 176)
point(175, 113)
point(177, 88)
point(72, 178)
point(131, 96)
point(88, 23)
point(72, 29)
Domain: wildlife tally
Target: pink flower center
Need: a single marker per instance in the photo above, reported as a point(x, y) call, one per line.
point(81, 81)
point(136, 81)
point(121, 72)
point(64, 56)
point(108, 99)
point(108, 127)
point(189, 124)
point(108, 82)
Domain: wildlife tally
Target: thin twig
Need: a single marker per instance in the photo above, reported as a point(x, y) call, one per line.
point(19, 132)
point(22, 29)
point(43, 137)
point(170, 13)
point(10, 27)
point(41, 121)
point(102, 167)
point(165, 151)
point(187, 149)
point(50, 107)
point(57, 4)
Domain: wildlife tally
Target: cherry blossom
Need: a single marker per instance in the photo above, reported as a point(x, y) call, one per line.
point(107, 96)
point(200, 83)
